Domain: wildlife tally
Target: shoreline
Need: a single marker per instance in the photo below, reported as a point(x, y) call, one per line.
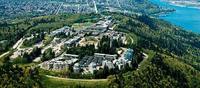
point(182, 16)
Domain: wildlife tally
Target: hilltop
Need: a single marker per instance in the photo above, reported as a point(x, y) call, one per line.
point(161, 50)
point(94, 43)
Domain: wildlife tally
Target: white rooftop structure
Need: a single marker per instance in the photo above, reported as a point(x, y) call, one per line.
point(76, 68)
point(109, 64)
point(59, 63)
point(64, 29)
point(92, 67)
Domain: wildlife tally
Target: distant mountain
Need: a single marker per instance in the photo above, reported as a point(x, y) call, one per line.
point(187, 3)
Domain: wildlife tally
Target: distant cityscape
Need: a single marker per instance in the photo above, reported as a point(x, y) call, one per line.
point(10, 8)
point(33, 8)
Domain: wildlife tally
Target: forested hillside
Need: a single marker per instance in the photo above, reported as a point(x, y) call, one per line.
point(163, 71)
point(174, 61)
point(161, 36)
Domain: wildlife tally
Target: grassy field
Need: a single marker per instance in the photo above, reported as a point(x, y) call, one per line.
point(80, 26)
point(54, 82)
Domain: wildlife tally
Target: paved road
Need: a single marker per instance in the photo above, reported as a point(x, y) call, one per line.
point(2, 55)
point(143, 61)
point(59, 8)
point(17, 46)
point(17, 43)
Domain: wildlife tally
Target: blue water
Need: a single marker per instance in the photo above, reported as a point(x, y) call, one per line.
point(185, 17)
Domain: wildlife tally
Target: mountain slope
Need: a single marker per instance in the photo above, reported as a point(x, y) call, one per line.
point(175, 61)
point(162, 37)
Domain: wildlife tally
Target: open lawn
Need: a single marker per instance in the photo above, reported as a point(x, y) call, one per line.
point(55, 82)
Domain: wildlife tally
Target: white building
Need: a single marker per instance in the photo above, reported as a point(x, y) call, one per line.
point(64, 29)
point(126, 58)
point(109, 64)
point(92, 67)
point(59, 63)
point(76, 68)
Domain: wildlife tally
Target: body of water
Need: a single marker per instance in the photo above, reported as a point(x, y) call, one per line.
point(185, 17)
